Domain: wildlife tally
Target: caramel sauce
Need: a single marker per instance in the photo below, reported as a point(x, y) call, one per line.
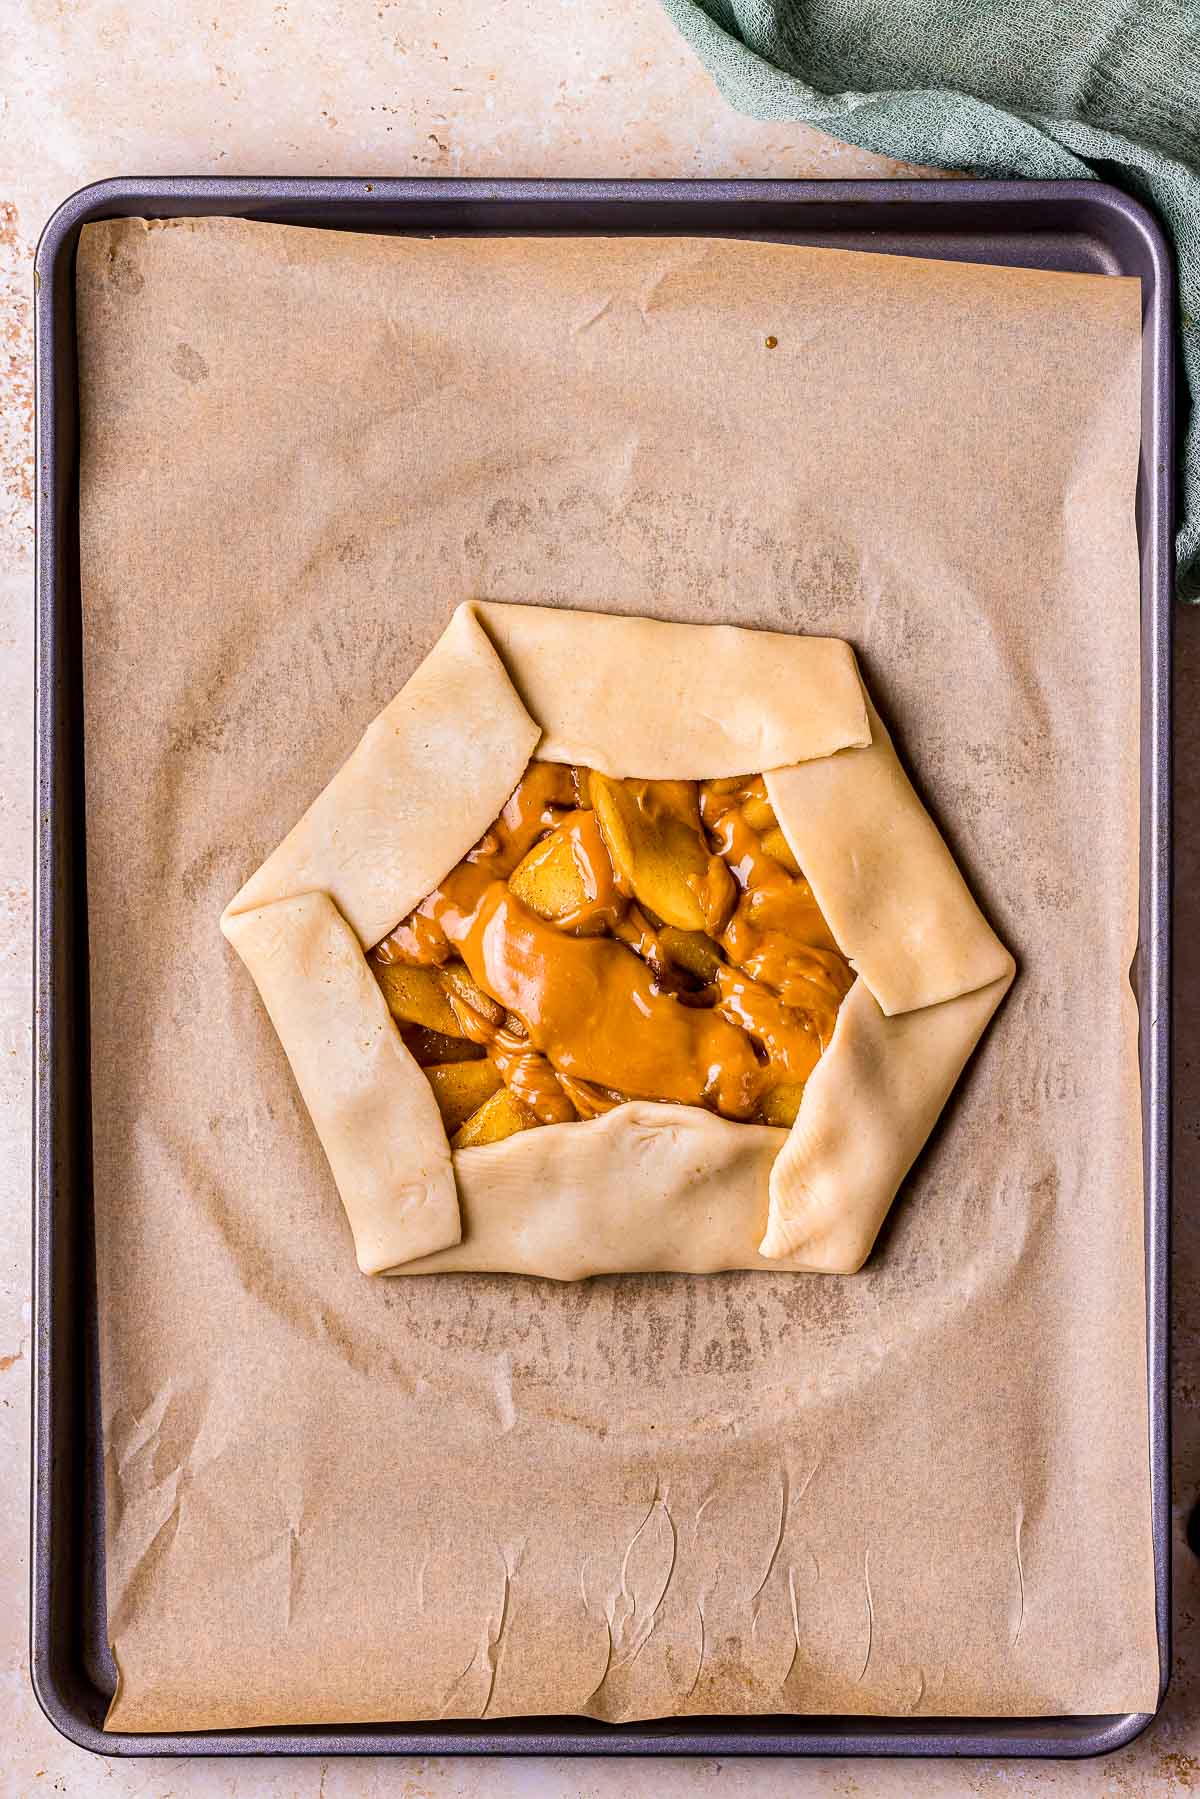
point(603, 905)
point(635, 929)
point(790, 1039)
point(589, 1100)
point(546, 791)
point(581, 1004)
point(593, 1008)
point(506, 1040)
point(777, 934)
point(531, 1077)
point(716, 894)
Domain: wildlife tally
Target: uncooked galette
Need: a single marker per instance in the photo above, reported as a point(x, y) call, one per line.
point(587, 963)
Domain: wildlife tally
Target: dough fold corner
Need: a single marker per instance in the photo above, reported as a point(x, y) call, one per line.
point(868, 1108)
point(373, 1109)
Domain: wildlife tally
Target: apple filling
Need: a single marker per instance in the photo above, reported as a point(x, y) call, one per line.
point(608, 940)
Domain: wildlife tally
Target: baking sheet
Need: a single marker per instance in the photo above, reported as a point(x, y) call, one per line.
point(333, 1500)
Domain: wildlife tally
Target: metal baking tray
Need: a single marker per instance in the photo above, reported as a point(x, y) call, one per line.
point(1080, 226)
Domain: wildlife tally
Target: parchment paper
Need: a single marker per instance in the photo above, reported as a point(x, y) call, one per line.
point(923, 1489)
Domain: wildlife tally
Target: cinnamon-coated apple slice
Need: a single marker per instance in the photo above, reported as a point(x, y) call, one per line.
point(501, 1116)
point(461, 1088)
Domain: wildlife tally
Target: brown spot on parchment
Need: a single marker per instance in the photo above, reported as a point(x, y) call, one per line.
point(125, 275)
point(352, 551)
point(10, 1361)
point(197, 876)
point(1055, 893)
point(187, 363)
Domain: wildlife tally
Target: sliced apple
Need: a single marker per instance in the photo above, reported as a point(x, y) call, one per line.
point(415, 995)
point(568, 878)
point(776, 844)
point(759, 813)
point(476, 1013)
point(659, 855)
point(498, 1117)
point(431, 1047)
point(691, 951)
point(550, 881)
point(781, 1104)
point(461, 1088)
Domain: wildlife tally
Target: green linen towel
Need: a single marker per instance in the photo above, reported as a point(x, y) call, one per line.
point(1049, 89)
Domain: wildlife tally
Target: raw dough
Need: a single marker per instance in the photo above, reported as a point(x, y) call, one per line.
point(881, 873)
point(373, 1108)
point(633, 696)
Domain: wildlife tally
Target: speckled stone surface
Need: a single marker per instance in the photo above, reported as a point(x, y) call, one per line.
point(530, 87)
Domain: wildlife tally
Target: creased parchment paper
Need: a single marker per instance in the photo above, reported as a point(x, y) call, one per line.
point(921, 1490)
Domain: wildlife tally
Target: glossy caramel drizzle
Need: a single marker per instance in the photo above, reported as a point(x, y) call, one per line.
point(777, 933)
point(536, 805)
point(597, 1004)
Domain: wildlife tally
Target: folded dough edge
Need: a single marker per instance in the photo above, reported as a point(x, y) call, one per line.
point(373, 1109)
point(883, 876)
point(637, 696)
point(868, 1107)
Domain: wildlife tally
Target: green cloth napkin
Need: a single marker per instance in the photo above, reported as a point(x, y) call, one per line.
point(1049, 89)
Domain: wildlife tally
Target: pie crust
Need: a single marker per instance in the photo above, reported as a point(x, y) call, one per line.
point(647, 1186)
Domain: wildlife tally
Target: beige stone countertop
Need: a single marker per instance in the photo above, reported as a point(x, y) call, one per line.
point(428, 87)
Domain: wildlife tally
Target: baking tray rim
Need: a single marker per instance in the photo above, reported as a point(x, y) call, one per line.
point(234, 196)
